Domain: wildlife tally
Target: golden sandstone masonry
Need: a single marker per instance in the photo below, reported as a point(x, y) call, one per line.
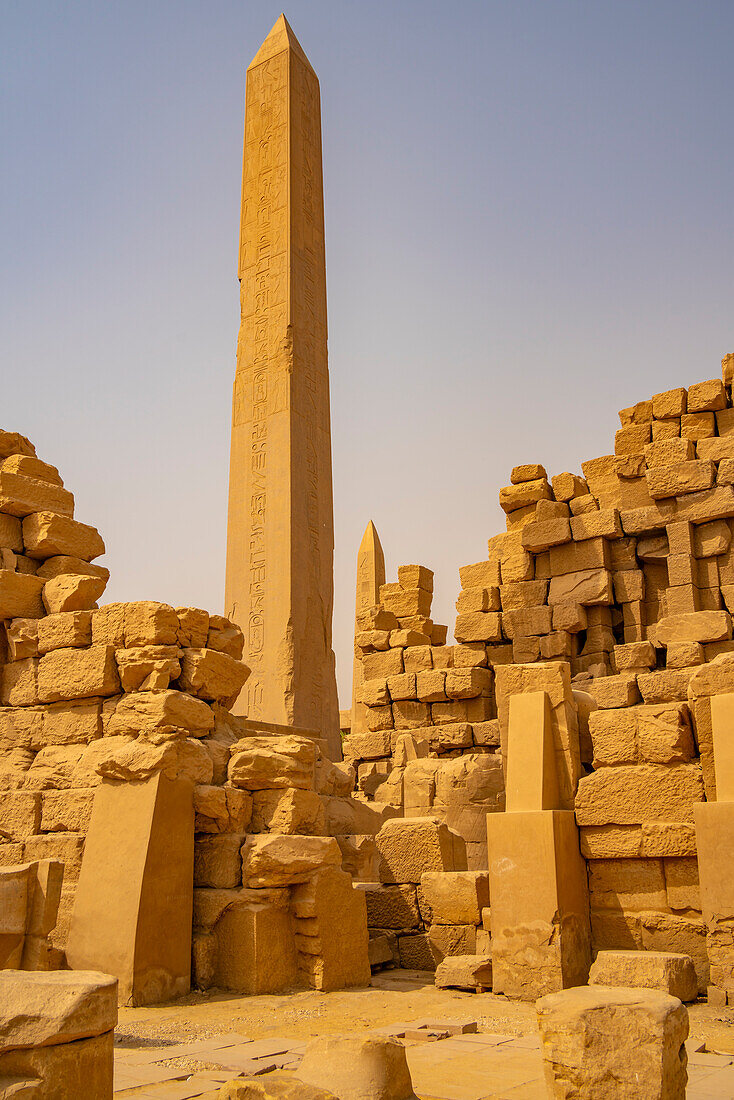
point(195, 845)
point(611, 594)
point(280, 535)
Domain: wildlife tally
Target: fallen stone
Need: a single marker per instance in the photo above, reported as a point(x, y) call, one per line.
point(667, 972)
point(599, 1041)
point(471, 972)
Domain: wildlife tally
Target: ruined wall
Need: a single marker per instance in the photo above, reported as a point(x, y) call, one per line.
point(625, 574)
point(124, 691)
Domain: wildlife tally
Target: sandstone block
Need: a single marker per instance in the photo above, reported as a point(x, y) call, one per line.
point(680, 478)
point(587, 587)
point(524, 494)
point(669, 404)
point(193, 627)
point(697, 425)
point(11, 537)
point(378, 665)
point(77, 673)
point(50, 1009)
point(211, 675)
point(478, 626)
point(529, 471)
point(469, 972)
point(410, 846)
point(66, 811)
point(483, 574)
point(22, 638)
point(363, 1068)
point(467, 683)
point(706, 396)
point(454, 897)
point(218, 861)
point(594, 1035)
point(21, 495)
point(391, 906)
point(72, 592)
point(69, 629)
point(155, 710)
point(415, 576)
point(632, 795)
point(19, 683)
point(64, 563)
point(291, 811)
point(148, 668)
point(20, 595)
point(20, 814)
point(668, 452)
point(405, 602)
point(273, 762)
point(225, 637)
point(700, 626)
point(47, 534)
point(541, 535)
point(285, 860)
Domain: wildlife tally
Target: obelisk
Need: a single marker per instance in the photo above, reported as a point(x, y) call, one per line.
point(280, 531)
point(370, 575)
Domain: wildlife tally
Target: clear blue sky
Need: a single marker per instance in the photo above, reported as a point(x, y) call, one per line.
point(529, 226)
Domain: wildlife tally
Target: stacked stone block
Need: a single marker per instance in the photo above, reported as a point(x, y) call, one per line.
point(623, 575)
point(129, 691)
point(426, 905)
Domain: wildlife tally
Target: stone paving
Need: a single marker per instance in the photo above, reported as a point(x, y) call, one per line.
point(478, 1066)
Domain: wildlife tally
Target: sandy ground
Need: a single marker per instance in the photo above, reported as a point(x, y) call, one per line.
point(395, 997)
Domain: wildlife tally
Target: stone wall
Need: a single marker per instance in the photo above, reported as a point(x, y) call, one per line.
point(625, 574)
point(121, 692)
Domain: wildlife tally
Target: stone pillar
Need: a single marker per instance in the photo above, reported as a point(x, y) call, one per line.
point(280, 531)
point(715, 844)
point(539, 913)
point(370, 576)
point(134, 901)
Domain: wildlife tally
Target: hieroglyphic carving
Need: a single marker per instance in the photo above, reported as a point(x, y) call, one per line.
point(280, 526)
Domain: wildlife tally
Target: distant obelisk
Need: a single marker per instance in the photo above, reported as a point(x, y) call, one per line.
point(280, 530)
point(370, 575)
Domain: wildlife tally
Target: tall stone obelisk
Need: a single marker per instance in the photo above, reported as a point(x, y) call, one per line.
point(280, 532)
point(370, 575)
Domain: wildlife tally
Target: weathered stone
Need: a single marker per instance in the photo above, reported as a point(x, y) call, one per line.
point(132, 912)
point(665, 971)
point(72, 592)
point(454, 897)
point(47, 534)
point(258, 763)
point(595, 1035)
point(632, 795)
point(391, 906)
point(410, 846)
point(77, 673)
point(291, 811)
point(470, 972)
point(212, 675)
point(225, 637)
point(49, 1009)
point(20, 596)
point(64, 631)
point(362, 1068)
point(284, 860)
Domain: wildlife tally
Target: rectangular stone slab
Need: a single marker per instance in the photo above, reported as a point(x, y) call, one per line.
point(133, 908)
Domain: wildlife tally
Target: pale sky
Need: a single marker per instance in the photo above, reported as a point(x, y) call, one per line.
point(529, 225)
